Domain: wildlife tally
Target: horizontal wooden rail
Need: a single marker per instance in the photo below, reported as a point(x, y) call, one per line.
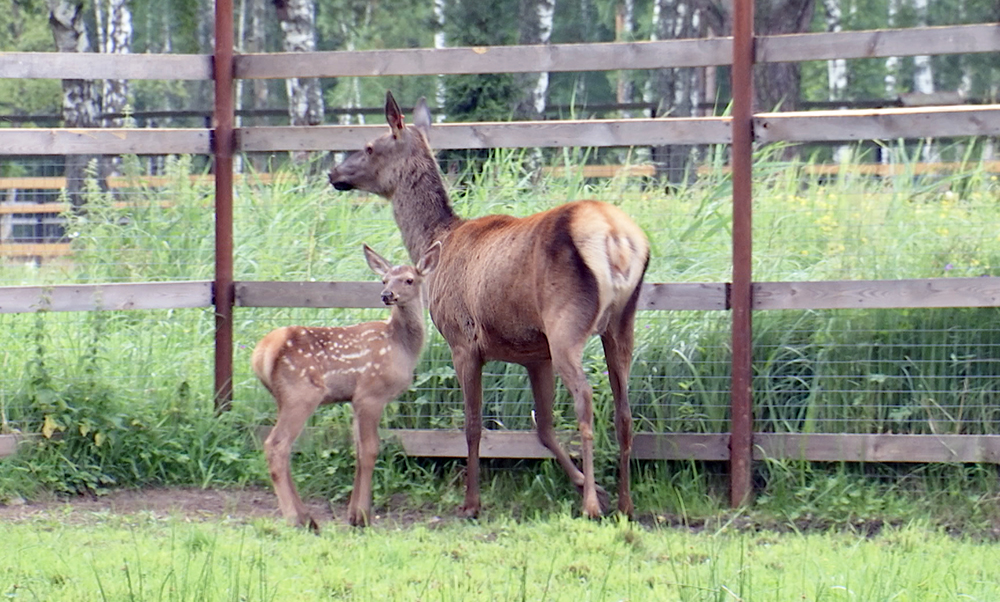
point(673, 296)
point(826, 447)
point(92, 65)
point(878, 294)
point(838, 447)
point(161, 141)
point(94, 297)
point(877, 124)
point(35, 249)
point(701, 52)
point(676, 296)
point(116, 182)
point(515, 134)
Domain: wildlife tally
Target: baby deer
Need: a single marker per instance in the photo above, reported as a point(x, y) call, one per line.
point(367, 364)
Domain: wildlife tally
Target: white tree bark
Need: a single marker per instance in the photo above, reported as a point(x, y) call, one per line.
point(440, 41)
point(836, 71)
point(298, 26)
point(625, 32)
point(535, 29)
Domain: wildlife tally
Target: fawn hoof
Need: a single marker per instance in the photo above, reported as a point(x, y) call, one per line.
point(603, 502)
point(308, 522)
point(357, 518)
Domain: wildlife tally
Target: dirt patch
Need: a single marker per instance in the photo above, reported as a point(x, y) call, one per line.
point(191, 503)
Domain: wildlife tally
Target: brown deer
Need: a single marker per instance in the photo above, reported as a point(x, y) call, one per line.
point(367, 364)
point(530, 291)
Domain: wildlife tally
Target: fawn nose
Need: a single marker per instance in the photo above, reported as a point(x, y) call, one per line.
point(388, 298)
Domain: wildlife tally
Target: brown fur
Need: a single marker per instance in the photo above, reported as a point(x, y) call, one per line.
point(367, 364)
point(526, 290)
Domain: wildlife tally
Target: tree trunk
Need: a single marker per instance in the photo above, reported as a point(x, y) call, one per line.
point(440, 41)
point(117, 40)
point(298, 25)
point(624, 32)
point(836, 71)
point(675, 91)
point(777, 85)
point(80, 102)
point(535, 28)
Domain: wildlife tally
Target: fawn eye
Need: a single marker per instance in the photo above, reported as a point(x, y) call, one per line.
point(409, 280)
point(369, 149)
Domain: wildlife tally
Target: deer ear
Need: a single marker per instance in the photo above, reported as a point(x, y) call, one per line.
point(376, 262)
point(428, 263)
point(422, 117)
point(393, 116)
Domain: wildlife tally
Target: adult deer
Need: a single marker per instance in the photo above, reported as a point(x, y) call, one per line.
point(367, 364)
point(530, 291)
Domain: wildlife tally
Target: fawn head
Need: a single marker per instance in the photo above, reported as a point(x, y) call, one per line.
point(402, 283)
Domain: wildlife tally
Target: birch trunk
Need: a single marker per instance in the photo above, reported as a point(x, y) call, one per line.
point(836, 71)
point(440, 41)
point(676, 92)
point(114, 100)
point(79, 101)
point(298, 26)
point(535, 28)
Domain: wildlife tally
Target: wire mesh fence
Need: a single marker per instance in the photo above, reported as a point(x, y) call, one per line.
point(822, 371)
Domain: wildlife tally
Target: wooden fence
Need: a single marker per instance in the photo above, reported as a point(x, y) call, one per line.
point(740, 297)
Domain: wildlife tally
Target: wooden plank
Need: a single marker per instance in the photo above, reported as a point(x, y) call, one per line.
point(878, 448)
point(9, 443)
point(594, 171)
point(92, 65)
point(35, 249)
point(517, 134)
point(872, 294)
point(487, 59)
point(92, 297)
point(709, 296)
point(161, 141)
point(878, 124)
point(960, 39)
point(654, 296)
point(715, 446)
point(308, 294)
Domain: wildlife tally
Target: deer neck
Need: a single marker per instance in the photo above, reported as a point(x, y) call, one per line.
point(406, 327)
point(422, 210)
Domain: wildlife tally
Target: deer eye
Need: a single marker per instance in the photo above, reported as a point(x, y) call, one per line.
point(409, 280)
point(369, 149)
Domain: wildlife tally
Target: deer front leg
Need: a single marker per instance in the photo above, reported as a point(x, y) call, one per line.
point(278, 449)
point(366, 443)
point(469, 369)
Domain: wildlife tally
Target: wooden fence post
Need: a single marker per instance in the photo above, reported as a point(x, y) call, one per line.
point(741, 412)
point(223, 149)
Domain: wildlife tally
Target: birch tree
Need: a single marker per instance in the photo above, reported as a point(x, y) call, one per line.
point(535, 28)
point(836, 70)
point(79, 97)
point(298, 27)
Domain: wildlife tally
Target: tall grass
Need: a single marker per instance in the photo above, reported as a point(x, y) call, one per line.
point(98, 379)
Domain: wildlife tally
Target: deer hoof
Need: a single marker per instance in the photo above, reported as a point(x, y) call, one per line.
point(603, 501)
point(309, 523)
point(468, 511)
point(357, 518)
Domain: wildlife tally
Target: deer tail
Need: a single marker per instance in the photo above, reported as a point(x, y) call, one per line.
point(265, 355)
point(614, 248)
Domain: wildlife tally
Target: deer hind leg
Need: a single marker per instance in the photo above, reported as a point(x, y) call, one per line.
point(566, 348)
point(293, 411)
point(367, 412)
point(618, 354)
point(543, 389)
point(469, 369)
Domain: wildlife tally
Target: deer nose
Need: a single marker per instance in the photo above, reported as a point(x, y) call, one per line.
point(388, 298)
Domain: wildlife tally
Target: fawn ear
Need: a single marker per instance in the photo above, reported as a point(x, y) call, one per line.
point(422, 117)
point(428, 263)
point(376, 262)
point(393, 116)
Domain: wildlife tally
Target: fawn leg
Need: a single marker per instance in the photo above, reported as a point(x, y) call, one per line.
point(367, 413)
point(278, 449)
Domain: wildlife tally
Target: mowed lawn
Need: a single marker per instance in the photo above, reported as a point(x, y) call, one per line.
point(145, 557)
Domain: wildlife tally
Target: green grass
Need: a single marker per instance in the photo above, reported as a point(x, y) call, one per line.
point(151, 558)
